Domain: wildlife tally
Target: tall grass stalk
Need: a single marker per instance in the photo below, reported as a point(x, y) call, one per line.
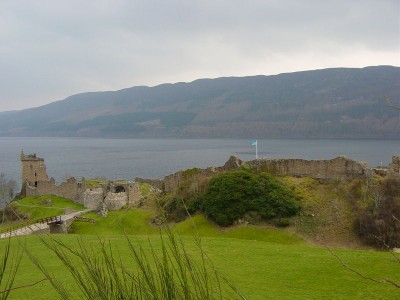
point(166, 272)
point(9, 266)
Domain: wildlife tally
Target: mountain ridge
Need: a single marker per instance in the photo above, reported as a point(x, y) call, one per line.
point(332, 103)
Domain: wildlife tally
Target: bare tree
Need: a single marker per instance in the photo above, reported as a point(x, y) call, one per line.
point(7, 189)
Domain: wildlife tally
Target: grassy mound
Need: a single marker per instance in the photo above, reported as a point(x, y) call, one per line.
point(138, 222)
point(116, 223)
point(37, 207)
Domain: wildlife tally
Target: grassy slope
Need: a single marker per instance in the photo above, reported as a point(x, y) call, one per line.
point(328, 213)
point(138, 222)
point(262, 270)
point(263, 263)
point(35, 207)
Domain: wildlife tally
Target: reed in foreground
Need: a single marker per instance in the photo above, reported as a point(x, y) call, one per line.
point(8, 270)
point(167, 271)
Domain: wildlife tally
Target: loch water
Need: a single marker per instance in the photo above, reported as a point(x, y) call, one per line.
point(156, 158)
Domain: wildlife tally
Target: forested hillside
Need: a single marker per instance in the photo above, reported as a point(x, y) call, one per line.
point(340, 102)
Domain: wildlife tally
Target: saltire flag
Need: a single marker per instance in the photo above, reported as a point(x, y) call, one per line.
point(254, 143)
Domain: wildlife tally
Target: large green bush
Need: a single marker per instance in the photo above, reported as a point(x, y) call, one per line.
point(231, 195)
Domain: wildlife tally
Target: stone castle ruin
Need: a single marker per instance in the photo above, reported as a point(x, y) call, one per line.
point(113, 195)
point(33, 170)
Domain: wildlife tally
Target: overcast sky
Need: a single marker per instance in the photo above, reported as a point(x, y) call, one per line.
point(52, 49)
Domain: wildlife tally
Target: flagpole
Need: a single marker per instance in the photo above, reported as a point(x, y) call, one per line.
point(256, 149)
point(255, 143)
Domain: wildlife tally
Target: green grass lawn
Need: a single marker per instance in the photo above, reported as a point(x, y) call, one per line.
point(260, 269)
point(264, 263)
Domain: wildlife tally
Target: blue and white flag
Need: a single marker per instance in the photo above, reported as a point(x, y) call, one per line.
point(254, 143)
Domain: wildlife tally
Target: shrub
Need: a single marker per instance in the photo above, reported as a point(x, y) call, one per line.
point(177, 209)
point(283, 222)
point(231, 195)
point(379, 223)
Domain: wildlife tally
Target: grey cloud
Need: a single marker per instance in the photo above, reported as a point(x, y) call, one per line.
point(52, 49)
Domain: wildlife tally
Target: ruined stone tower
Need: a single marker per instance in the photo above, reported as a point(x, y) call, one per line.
point(33, 170)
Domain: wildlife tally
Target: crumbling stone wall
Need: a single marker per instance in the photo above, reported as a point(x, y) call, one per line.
point(115, 201)
point(89, 197)
point(134, 194)
point(339, 168)
point(174, 181)
point(70, 189)
point(92, 198)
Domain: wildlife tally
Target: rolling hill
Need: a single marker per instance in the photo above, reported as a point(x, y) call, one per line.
point(328, 103)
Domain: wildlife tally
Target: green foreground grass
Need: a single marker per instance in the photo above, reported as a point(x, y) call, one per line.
point(260, 269)
point(262, 263)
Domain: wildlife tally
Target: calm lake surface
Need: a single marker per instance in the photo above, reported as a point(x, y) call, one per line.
point(156, 158)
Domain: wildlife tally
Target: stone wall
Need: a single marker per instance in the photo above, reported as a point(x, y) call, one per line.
point(115, 201)
point(173, 182)
point(70, 189)
point(339, 168)
point(92, 198)
point(134, 194)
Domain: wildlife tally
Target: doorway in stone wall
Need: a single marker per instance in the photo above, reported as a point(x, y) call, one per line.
point(119, 189)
